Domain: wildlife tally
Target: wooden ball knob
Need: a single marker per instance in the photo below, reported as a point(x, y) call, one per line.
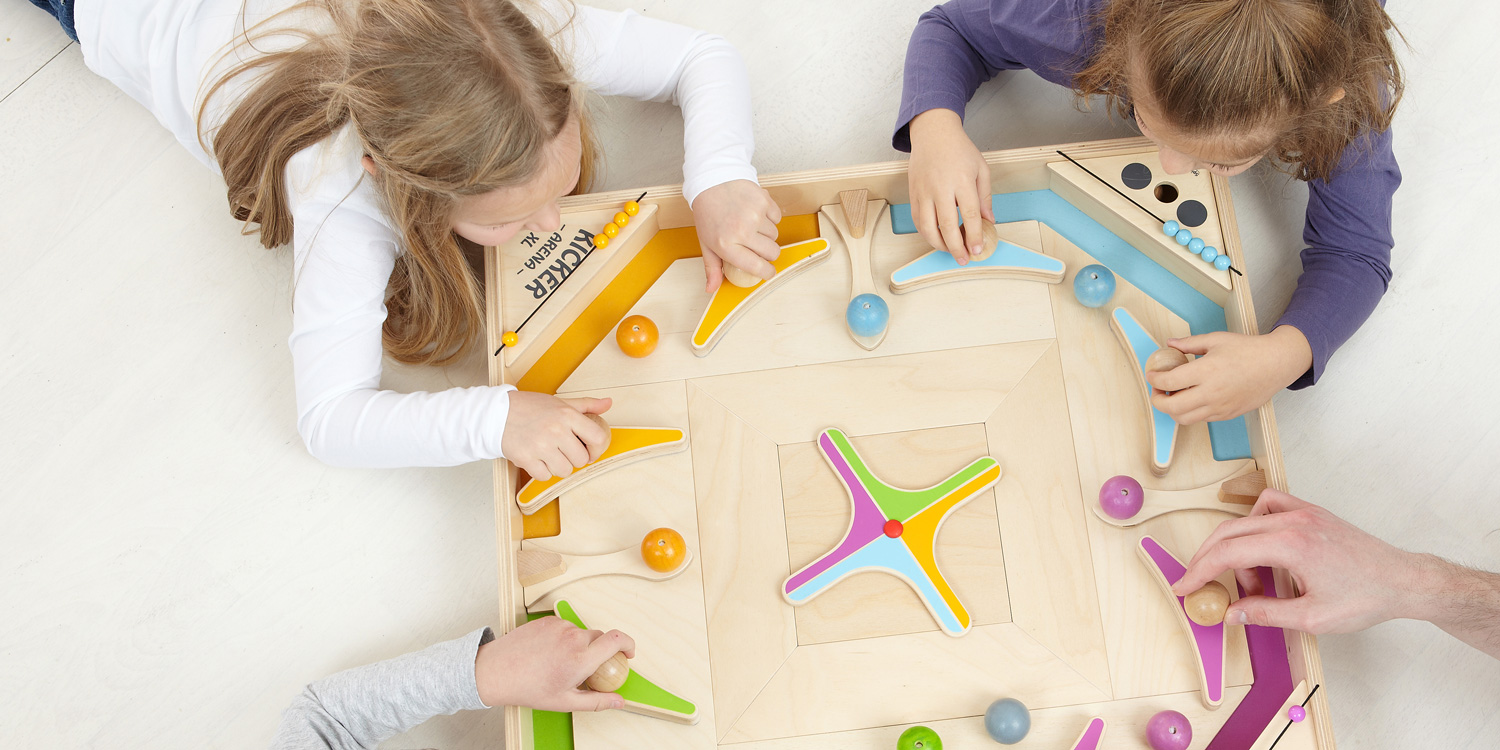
point(1165, 358)
point(610, 675)
point(598, 420)
point(989, 238)
point(1207, 605)
point(740, 277)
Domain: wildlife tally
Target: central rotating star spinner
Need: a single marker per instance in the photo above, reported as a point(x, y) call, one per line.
point(893, 530)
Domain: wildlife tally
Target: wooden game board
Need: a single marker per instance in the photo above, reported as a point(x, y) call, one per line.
point(1064, 615)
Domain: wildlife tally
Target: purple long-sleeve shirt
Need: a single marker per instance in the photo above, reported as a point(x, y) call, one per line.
point(1346, 265)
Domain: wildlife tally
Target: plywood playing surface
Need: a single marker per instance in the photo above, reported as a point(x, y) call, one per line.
point(1064, 616)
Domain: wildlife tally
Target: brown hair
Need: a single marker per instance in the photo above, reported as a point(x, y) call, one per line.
point(1228, 67)
point(450, 98)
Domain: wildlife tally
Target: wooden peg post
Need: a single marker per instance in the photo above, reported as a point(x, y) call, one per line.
point(1244, 489)
point(855, 210)
point(536, 565)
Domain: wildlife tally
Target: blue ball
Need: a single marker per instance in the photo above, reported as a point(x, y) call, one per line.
point(1170, 228)
point(868, 315)
point(1222, 262)
point(1007, 721)
point(1209, 253)
point(1094, 285)
point(1184, 237)
point(1195, 245)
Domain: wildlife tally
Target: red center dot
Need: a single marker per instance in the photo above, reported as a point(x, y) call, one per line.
point(893, 528)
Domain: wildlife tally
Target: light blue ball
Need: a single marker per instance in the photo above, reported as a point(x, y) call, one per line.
point(1170, 228)
point(1222, 262)
point(868, 315)
point(1094, 285)
point(1209, 253)
point(1184, 237)
point(1195, 245)
point(1007, 721)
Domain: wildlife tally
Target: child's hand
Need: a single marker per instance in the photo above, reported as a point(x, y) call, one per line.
point(542, 664)
point(737, 225)
point(947, 177)
point(1233, 374)
point(547, 436)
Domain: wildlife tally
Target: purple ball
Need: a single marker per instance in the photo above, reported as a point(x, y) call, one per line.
point(1121, 497)
point(1297, 713)
point(1169, 730)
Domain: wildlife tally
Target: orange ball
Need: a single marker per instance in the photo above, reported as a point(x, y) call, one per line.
point(612, 229)
point(509, 338)
point(601, 241)
point(621, 219)
point(637, 336)
point(632, 208)
point(663, 550)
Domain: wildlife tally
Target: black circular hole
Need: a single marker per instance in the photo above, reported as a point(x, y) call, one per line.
point(1136, 176)
point(1191, 214)
point(1166, 192)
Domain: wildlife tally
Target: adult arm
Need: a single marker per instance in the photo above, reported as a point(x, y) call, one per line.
point(1349, 580)
point(1346, 266)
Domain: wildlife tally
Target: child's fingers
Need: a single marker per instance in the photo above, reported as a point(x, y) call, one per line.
point(713, 271)
point(773, 212)
point(952, 234)
point(589, 405)
point(557, 464)
point(986, 202)
point(925, 218)
point(764, 247)
point(534, 468)
point(575, 451)
point(768, 228)
point(968, 207)
point(1177, 378)
point(588, 700)
point(604, 647)
point(1199, 344)
point(748, 260)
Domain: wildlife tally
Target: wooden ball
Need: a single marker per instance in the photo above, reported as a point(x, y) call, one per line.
point(663, 550)
point(1165, 358)
point(610, 675)
point(989, 238)
point(1207, 605)
point(637, 336)
point(740, 277)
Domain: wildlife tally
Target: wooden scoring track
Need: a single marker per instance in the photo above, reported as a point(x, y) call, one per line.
point(1062, 614)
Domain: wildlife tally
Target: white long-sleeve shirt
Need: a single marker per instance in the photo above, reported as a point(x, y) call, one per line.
point(163, 53)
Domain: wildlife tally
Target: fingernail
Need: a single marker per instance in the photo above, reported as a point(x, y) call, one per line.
point(1240, 618)
point(617, 704)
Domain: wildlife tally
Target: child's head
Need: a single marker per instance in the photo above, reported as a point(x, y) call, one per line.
point(1219, 84)
point(471, 126)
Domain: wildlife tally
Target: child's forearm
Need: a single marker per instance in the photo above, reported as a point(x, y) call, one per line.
point(1462, 601)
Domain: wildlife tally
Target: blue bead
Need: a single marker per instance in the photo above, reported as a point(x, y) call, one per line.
point(1222, 262)
point(1209, 253)
point(1094, 285)
point(1007, 721)
point(868, 315)
point(1195, 245)
point(1184, 237)
point(1170, 228)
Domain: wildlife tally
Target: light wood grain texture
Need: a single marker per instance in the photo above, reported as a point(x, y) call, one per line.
point(1243, 489)
point(865, 606)
point(536, 565)
point(626, 562)
point(1043, 525)
point(1160, 502)
point(848, 219)
point(750, 630)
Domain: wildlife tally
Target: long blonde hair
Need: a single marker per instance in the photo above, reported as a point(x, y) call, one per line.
point(1230, 67)
point(450, 98)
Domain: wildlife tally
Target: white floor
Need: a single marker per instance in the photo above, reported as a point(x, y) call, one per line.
point(174, 566)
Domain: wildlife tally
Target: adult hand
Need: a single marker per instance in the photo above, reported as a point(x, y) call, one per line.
point(1349, 580)
point(1233, 374)
point(736, 223)
point(547, 436)
point(947, 178)
point(542, 664)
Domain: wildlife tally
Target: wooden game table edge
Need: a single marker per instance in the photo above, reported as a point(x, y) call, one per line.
point(804, 192)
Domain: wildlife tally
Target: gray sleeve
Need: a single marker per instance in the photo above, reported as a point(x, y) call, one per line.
point(360, 707)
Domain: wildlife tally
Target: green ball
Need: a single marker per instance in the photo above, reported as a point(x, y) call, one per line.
point(919, 738)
